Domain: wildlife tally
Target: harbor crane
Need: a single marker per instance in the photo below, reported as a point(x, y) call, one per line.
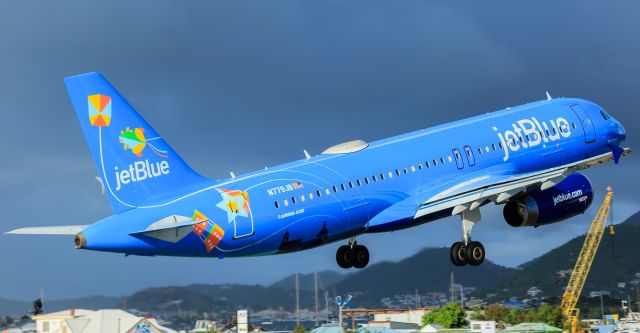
point(584, 262)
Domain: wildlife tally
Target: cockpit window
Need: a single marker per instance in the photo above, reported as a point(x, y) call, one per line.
point(605, 115)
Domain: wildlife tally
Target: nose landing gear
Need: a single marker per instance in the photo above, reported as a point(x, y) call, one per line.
point(467, 251)
point(352, 255)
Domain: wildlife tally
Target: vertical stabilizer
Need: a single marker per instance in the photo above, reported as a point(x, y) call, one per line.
point(136, 165)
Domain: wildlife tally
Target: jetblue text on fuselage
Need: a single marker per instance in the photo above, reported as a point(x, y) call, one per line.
point(531, 132)
point(140, 171)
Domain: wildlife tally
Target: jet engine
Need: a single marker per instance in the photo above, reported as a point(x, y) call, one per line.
point(568, 198)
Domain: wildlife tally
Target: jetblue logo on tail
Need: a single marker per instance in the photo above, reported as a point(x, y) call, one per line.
point(530, 133)
point(140, 171)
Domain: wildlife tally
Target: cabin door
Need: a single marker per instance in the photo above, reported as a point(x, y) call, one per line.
point(458, 157)
point(470, 159)
point(587, 124)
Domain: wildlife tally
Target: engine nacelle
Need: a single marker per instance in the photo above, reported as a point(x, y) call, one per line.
point(567, 199)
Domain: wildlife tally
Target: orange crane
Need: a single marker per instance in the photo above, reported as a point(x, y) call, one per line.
point(584, 262)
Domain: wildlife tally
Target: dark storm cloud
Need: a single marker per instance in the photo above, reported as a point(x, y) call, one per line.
point(240, 85)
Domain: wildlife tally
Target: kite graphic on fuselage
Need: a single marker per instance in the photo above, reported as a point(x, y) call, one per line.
point(525, 157)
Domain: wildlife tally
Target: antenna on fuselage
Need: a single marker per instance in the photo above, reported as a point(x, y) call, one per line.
point(548, 96)
point(306, 154)
point(233, 175)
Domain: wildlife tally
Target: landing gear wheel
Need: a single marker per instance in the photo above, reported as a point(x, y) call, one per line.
point(344, 256)
point(475, 253)
point(458, 254)
point(360, 256)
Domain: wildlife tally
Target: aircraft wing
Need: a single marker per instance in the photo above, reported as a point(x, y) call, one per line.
point(499, 188)
point(496, 185)
point(54, 230)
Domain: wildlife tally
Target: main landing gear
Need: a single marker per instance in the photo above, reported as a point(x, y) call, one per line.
point(467, 251)
point(352, 255)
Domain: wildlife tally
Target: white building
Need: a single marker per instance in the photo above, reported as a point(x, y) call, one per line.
point(408, 316)
point(101, 321)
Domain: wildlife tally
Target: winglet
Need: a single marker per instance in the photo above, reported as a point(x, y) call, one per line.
point(548, 96)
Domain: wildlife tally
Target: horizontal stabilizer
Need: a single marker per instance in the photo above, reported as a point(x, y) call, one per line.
point(171, 228)
point(54, 230)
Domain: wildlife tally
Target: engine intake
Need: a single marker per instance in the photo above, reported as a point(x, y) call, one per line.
point(567, 199)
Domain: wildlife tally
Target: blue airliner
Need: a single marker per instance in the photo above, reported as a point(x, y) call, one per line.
point(526, 157)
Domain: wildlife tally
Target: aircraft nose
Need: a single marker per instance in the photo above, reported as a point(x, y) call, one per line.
point(621, 134)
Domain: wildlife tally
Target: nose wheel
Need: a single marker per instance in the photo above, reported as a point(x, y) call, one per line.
point(467, 251)
point(352, 255)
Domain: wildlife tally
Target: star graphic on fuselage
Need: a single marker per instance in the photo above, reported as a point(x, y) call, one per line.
point(234, 203)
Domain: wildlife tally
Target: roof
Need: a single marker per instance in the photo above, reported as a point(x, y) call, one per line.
point(328, 328)
point(64, 314)
point(532, 327)
point(431, 328)
point(376, 329)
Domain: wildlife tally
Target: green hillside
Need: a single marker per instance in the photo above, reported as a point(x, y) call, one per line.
point(542, 272)
point(428, 270)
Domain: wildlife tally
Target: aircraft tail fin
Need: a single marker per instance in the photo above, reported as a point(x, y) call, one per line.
point(136, 165)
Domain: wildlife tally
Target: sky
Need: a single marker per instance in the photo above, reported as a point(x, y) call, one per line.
point(240, 85)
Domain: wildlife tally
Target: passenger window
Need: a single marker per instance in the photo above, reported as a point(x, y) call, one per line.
point(310, 195)
point(547, 131)
point(302, 198)
point(480, 151)
point(277, 204)
point(604, 115)
point(442, 160)
point(358, 182)
point(427, 164)
point(450, 159)
point(413, 168)
point(397, 172)
point(286, 202)
point(486, 148)
point(500, 144)
point(343, 187)
point(293, 200)
point(420, 166)
point(327, 191)
point(573, 125)
point(555, 131)
point(390, 174)
point(382, 176)
point(350, 185)
point(435, 162)
point(366, 180)
point(335, 189)
point(374, 178)
point(493, 145)
point(318, 193)
point(405, 170)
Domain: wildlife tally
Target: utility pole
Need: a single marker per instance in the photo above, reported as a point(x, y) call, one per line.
point(297, 299)
point(452, 289)
point(638, 296)
point(326, 305)
point(315, 279)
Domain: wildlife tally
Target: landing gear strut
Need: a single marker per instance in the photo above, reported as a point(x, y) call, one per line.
point(352, 255)
point(467, 251)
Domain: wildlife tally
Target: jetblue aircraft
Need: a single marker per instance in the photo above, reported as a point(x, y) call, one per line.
point(526, 157)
